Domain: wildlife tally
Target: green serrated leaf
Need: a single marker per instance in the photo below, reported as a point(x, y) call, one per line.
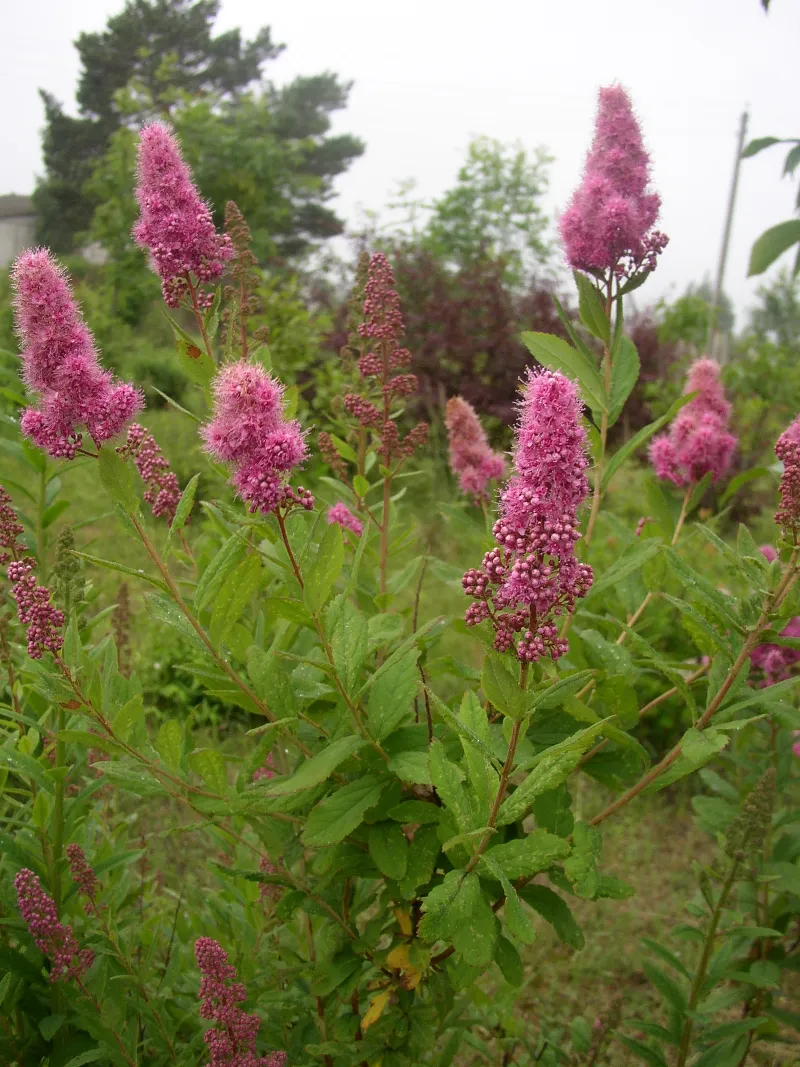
point(209, 763)
point(339, 814)
point(170, 743)
point(324, 571)
point(554, 910)
point(553, 352)
point(388, 848)
point(502, 687)
point(319, 768)
point(590, 308)
point(116, 477)
point(391, 698)
point(624, 376)
point(528, 855)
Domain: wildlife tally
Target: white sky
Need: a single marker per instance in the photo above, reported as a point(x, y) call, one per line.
point(429, 74)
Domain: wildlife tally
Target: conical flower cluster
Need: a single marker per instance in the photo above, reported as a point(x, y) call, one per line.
point(699, 441)
point(249, 431)
point(533, 576)
point(60, 363)
point(608, 226)
point(175, 223)
point(471, 458)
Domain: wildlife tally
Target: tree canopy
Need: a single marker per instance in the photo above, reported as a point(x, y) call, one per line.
point(248, 139)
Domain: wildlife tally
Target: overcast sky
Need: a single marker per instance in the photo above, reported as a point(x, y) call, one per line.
point(430, 74)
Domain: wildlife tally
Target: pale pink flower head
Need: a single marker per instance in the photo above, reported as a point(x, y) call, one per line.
point(249, 431)
point(60, 363)
point(608, 225)
point(698, 441)
point(534, 569)
point(787, 449)
point(54, 939)
point(471, 458)
point(340, 514)
point(232, 1040)
point(769, 553)
point(175, 223)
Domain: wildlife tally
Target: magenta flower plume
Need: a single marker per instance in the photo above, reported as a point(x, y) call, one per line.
point(163, 492)
point(533, 576)
point(232, 1043)
point(699, 441)
point(83, 875)
point(54, 939)
point(60, 363)
point(787, 450)
point(249, 431)
point(34, 608)
point(608, 225)
point(341, 514)
point(471, 458)
point(175, 224)
point(774, 663)
point(382, 330)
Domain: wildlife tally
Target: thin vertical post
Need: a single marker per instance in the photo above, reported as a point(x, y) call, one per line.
point(715, 337)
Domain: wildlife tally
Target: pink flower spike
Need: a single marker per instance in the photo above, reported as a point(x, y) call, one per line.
point(60, 363)
point(163, 492)
point(471, 458)
point(533, 577)
point(787, 449)
point(175, 224)
point(34, 609)
point(82, 875)
point(249, 431)
point(608, 225)
point(54, 939)
point(341, 514)
point(699, 441)
point(232, 1041)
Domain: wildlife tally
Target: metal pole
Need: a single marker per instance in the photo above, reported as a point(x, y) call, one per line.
point(715, 340)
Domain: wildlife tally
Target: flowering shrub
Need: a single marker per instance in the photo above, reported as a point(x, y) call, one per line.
point(397, 824)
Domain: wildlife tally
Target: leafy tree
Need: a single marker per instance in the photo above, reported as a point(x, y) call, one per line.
point(493, 211)
point(160, 57)
point(687, 320)
point(777, 316)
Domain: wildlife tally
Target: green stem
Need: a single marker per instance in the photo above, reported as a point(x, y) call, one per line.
point(678, 527)
point(702, 966)
point(58, 813)
point(772, 604)
point(218, 658)
point(198, 315)
point(387, 478)
point(601, 459)
point(41, 532)
point(355, 711)
point(505, 774)
point(387, 494)
point(123, 959)
point(98, 1007)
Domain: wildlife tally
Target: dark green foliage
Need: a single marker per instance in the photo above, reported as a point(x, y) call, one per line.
point(266, 147)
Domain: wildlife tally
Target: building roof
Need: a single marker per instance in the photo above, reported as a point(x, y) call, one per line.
point(14, 206)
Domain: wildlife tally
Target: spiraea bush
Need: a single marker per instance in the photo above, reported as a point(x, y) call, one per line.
point(389, 824)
